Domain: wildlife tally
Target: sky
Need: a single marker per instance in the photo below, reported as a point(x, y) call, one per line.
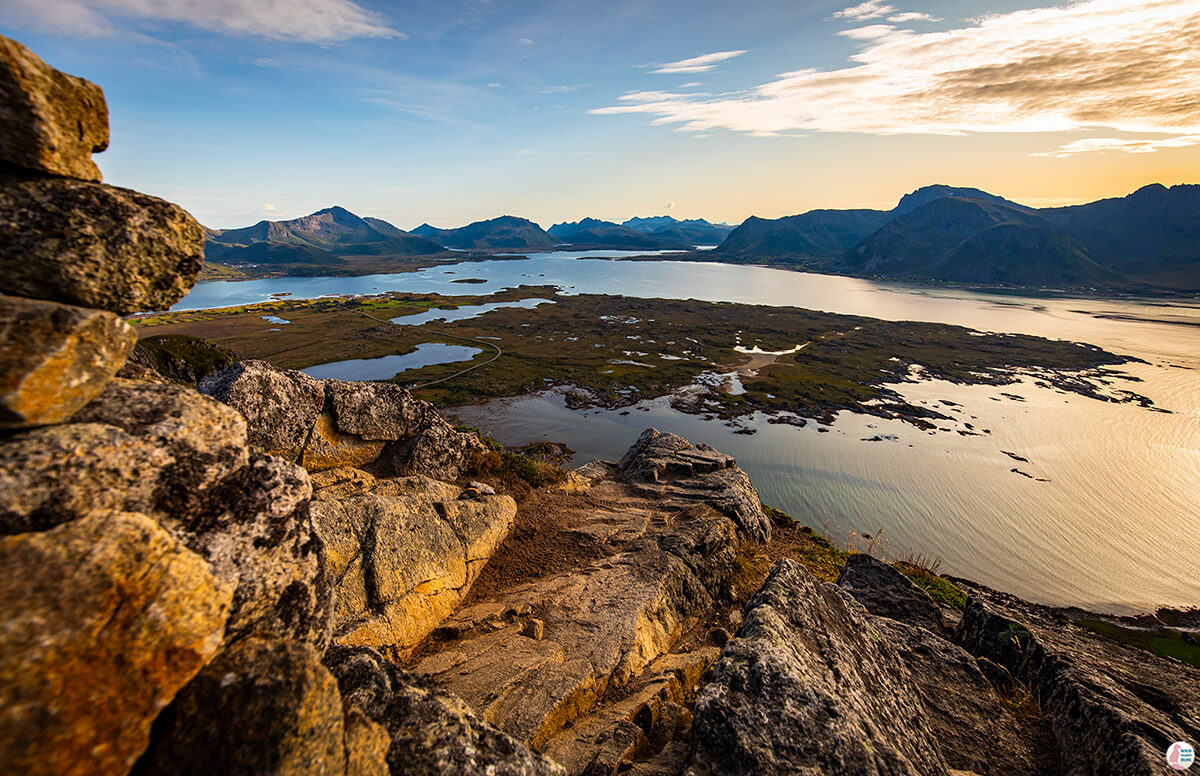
point(452, 111)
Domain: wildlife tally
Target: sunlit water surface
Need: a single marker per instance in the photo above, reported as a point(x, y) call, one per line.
point(1115, 525)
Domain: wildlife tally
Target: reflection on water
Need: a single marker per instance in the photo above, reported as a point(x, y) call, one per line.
point(1113, 526)
point(1116, 526)
point(387, 367)
point(464, 312)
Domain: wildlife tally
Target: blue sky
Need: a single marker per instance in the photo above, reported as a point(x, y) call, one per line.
point(454, 111)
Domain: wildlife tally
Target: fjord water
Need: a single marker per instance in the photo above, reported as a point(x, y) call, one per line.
point(1108, 517)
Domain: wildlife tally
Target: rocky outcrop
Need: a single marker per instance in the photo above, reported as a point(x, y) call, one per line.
point(973, 730)
point(658, 460)
point(142, 537)
point(49, 121)
point(609, 582)
point(403, 553)
point(1113, 708)
point(105, 619)
point(181, 458)
point(886, 592)
point(94, 245)
point(432, 733)
point(55, 358)
point(325, 424)
point(264, 707)
point(808, 685)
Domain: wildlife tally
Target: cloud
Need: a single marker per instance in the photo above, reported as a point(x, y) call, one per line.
point(1127, 65)
point(315, 21)
point(912, 16)
point(701, 64)
point(1130, 146)
point(668, 205)
point(871, 9)
point(268, 206)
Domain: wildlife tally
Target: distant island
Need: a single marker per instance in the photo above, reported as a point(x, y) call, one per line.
point(1147, 242)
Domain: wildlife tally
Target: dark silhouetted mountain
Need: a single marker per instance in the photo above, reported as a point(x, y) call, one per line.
point(927, 194)
point(335, 230)
point(1153, 234)
point(1149, 238)
point(913, 244)
point(593, 233)
point(695, 231)
point(818, 233)
point(503, 233)
point(1024, 255)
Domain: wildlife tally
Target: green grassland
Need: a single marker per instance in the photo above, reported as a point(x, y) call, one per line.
point(845, 364)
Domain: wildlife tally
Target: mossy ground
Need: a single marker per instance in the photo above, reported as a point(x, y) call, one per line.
point(1164, 642)
point(624, 349)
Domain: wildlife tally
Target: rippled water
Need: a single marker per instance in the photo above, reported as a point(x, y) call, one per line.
point(1114, 526)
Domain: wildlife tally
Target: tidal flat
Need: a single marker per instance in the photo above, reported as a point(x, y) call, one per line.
point(723, 359)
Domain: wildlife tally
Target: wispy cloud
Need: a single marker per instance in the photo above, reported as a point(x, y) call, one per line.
point(1129, 146)
point(1128, 65)
point(700, 64)
point(316, 21)
point(871, 9)
point(912, 16)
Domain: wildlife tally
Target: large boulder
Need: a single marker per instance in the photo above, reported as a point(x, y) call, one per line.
point(280, 406)
point(106, 618)
point(55, 358)
point(94, 245)
point(658, 459)
point(327, 424)
point(432, 733)
point(810, 686)
point(886, 592)
point(263, 707)
point(49, 121)
point(1114, 709)
point(404, 554)
point(181, 458)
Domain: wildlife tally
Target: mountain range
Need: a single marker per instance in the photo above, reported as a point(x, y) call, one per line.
point(1150, 238)
point(1147, 240)
point(504, 233)
point(324, 237)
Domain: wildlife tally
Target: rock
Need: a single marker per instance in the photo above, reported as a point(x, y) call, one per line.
point(809, 686)
point(328, 448)
point(55, 358)
point(886, 592)
point(617, 570)
point(261, 534)
point(661, 458)
point(974, 732)
point(54, 474)
point(49, 121)
point(205, 439)
point(432, 733)
point(1113, 709)
point(181, 458)
point(95, 246)
point(105, 619)
point(367, 744)
point(403, 562)
point(326, 424)
point(280, 406)
point(262, 707)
